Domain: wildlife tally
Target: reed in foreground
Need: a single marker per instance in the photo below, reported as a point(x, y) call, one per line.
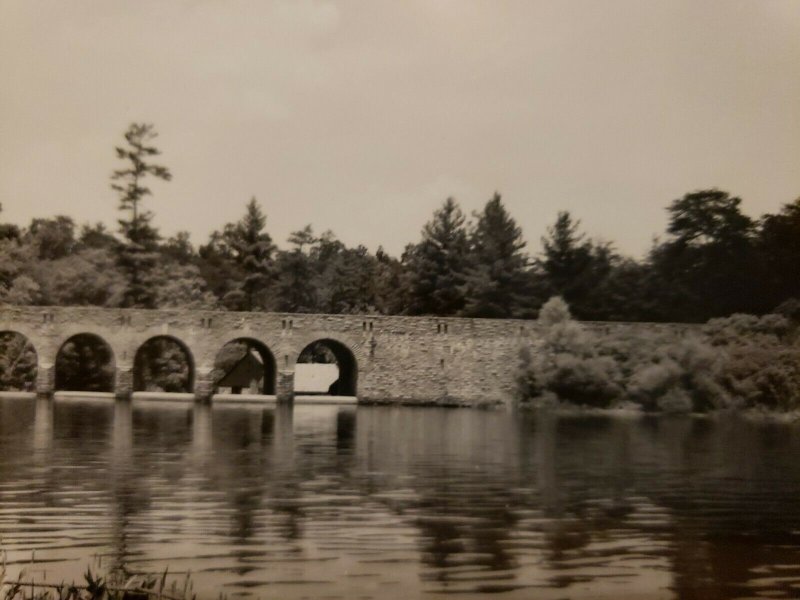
point(96, 587)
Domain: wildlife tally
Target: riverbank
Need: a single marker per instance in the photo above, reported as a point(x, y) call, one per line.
point(737, 363)
point(633, 411)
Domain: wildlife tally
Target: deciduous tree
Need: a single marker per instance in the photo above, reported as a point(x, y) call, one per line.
point(779, 253)
point(707, 266)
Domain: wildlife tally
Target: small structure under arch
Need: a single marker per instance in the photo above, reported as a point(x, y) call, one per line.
point(245, 364)
point(330, 351)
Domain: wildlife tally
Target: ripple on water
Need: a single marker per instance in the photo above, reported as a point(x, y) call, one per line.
point(399, 503)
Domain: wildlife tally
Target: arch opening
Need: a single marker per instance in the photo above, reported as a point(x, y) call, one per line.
point(314, 373)
point(18, 363)
point(85, 363)
point(163, 364)
point(244, 365)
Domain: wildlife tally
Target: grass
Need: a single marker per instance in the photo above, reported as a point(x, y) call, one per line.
point(112, 586)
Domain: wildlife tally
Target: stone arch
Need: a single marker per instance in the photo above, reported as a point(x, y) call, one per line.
point(85, 362)
point(19, 362)
point(345, 358)
point(171, 378)
point(268, 364)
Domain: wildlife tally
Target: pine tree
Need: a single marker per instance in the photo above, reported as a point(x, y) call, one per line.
point(575, 268)
point(565, 255)
point(390, 290)
point(437, 265)
point(137, 256)
point(252, 249)
point(498, 282)
point(295, 286)
point(349, 282)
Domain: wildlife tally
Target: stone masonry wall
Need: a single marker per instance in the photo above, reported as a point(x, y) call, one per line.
point(399, 359)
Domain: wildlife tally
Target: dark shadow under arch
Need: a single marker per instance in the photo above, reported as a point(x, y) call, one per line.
point(236, 367)
point(327, 351)
point(163, 364)
point(18, 363)
point(85, 363)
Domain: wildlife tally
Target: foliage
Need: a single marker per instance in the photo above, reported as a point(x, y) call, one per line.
point(296, 286)
point(23, 290)
point(497, 280)
point(317, 353)
point(17, 363)
point(182, 286)
point(116, 584)
point(137, 256)
point(51, 239)
point(574, 268)
point(763, 359)
point(162, 365)
point(740, 361)
point(554, 311)
point(85, 363)
point(8, 231)
point(250, 249)
point(779, 254)
point(714, 262)
point(709, 262)
point(678, 376)
point(437, 265)
point(87, 277)
point(347, 283)
point(566, 364)
point(97, 236)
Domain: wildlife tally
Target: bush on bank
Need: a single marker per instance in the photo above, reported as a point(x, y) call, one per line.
point(740, 361)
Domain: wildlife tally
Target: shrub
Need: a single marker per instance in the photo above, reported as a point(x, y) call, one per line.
point(567, 364)
point(739, 361)
point(744, 329)
point(587, 381)
point(555, 310)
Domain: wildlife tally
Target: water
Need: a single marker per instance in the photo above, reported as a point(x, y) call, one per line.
point(329, 502)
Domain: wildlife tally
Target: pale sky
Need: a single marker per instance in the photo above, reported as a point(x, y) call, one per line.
point(362, 117)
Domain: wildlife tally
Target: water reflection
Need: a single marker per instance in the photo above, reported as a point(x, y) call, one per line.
point(126, 497)
point(43, 429)
point(401, 502)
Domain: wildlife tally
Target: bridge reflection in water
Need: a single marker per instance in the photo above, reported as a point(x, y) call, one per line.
point(400, 502)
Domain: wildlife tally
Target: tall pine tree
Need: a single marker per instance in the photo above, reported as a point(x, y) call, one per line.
point(498, 280)
point(251, 248)
point(295, 286)
point(575, 268)
point(138, 255)
point(437, 265)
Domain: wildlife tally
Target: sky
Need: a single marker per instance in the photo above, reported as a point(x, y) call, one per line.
point(363, 116)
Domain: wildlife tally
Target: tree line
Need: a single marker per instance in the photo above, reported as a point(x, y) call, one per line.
point(713, 261)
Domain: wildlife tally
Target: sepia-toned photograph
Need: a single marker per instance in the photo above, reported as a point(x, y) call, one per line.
point(387, 300)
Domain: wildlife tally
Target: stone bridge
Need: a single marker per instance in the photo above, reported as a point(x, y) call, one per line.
point(386, 359)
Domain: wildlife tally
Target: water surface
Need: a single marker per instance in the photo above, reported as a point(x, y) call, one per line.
point(330, 502)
